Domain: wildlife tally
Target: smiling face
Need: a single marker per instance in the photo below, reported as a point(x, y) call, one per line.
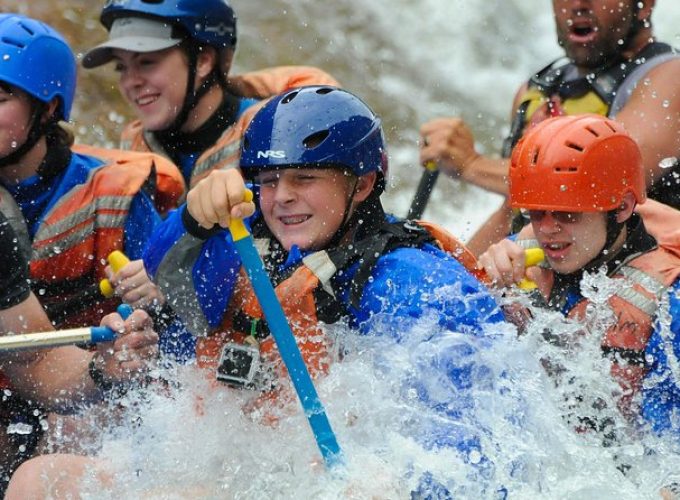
point(569, 243)
point(305, 207)
point(593, 31)
point(154, 83)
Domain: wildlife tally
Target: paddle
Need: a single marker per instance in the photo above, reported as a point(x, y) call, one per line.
point(57, 338)
point(283, 336)
point(532, 257)
point(424, 190)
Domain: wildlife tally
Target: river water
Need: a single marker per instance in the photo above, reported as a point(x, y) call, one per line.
point(411, 61)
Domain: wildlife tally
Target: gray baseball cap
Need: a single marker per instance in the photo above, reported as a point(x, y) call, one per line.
point(136, 34)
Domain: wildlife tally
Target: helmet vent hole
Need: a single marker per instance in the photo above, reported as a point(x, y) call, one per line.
point(12, 41)
point(610, 126)
point(575, 146)
point(566, 169)
point(534, 158)
point(27, 29)
point(593, 131)
point(324, 90)
point(246, 143)
point(312, 141)
point(289, 97)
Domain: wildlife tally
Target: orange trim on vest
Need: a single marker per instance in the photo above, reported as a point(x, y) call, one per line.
point(297, 300)
point(169, 183)
point(453, 246)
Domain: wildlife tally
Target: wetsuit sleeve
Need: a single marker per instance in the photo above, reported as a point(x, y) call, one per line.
point(141, 221)
point(14, 287)
point(661, 389)
point(196, 275)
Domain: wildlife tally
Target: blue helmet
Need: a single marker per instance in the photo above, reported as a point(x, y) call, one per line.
point(209, 21)
point(315, 126)
point(36, 59)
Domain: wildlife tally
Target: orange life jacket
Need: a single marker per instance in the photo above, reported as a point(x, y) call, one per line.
point(225, 152)
point(308, 296)
point(166, 186)
point(76, 235)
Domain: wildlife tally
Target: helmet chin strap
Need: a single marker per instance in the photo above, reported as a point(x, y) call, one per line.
point(35, 133)
point(613, 231)
point(335, 240)
point(191, 97)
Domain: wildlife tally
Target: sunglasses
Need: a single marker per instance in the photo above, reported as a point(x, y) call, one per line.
point(560, 217)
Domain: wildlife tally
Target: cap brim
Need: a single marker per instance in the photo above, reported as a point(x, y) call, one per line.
point(103, 53)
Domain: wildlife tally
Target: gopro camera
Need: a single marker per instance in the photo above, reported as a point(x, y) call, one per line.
point(239, 365)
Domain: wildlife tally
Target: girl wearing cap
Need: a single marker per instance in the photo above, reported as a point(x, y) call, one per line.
point(174, 59)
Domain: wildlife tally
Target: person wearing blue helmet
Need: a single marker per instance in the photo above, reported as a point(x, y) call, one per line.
point(79, 203)
point(317, 161)
point(174, 59)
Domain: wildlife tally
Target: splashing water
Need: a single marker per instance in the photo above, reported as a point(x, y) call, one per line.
point(392, 406)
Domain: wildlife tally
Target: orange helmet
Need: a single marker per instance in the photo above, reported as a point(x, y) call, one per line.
point(581, 163)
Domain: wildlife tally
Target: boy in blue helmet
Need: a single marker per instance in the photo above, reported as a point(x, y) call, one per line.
point(317, 160)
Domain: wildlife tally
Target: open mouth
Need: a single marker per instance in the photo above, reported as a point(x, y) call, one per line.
point(582, 31)
point(555, 250)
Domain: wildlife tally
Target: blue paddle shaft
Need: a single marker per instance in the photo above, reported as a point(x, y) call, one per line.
point(283, 336)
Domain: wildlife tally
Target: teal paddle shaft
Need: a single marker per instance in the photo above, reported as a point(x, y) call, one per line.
point(285, 341)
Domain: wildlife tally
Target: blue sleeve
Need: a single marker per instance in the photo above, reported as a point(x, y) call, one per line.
point(197, 276)
point(142, 219)
point(661, 389)
point(411, 285)
point(408, 284)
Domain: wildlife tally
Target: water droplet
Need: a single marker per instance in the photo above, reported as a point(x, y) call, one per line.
point(563, 188)
point(669, 162)
point(475, 457)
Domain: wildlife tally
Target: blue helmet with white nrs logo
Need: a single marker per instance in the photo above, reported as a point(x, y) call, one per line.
point(313, 127)
point(36, 59)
